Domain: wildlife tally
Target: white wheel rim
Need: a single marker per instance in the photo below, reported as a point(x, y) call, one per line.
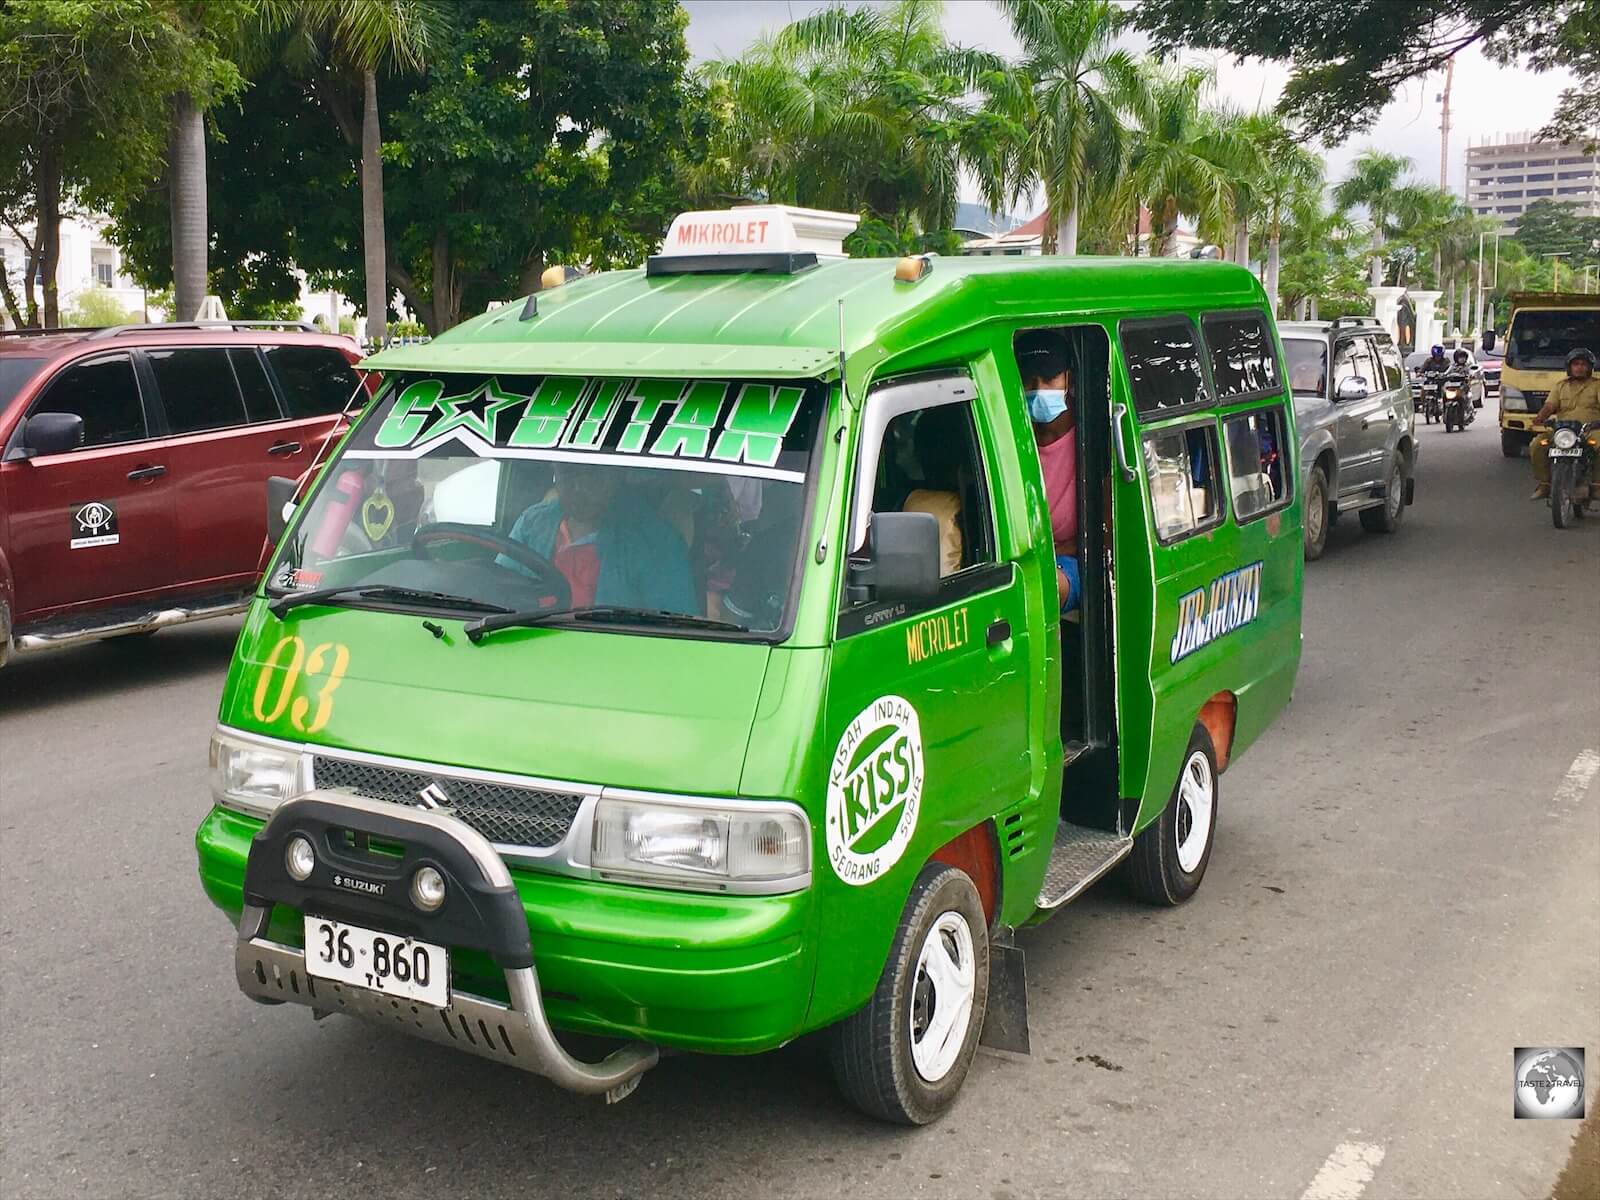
point(1316, 513)
point(941, 997)
point(1197, 795)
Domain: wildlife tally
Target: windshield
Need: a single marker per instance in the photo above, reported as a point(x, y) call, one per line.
point(1540, 339)
point(552, 495)
point(1308, 366)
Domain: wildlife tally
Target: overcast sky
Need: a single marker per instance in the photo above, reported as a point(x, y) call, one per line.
point(1486, 100)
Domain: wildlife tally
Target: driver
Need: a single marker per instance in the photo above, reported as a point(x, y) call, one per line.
point(1575, 398)
point(609, 545)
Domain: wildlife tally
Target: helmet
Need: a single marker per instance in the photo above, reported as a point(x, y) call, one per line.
point(1461, 355)
point(1437, 351)
point(1582, 352)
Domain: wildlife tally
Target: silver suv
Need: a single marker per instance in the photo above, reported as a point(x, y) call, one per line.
point(1352, 403)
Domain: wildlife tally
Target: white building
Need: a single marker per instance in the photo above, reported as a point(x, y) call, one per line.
point(89, 261)
point(1508, 172)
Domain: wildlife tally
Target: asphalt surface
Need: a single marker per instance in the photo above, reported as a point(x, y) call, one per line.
point(1397, 899)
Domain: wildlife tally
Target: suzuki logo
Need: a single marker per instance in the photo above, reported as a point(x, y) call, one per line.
point(433, 797)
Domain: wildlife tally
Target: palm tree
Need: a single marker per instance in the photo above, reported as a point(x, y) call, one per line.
point(1374, 183)
point(1076, 86)
point(1184, 157)
point(1286, 175)
point(359, 38)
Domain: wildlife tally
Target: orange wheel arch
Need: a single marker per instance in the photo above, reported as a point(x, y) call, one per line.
point(1217, 715)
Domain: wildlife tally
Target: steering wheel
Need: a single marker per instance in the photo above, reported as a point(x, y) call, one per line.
point(545, 572)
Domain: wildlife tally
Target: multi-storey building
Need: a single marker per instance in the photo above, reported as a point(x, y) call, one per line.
point(1508, 172)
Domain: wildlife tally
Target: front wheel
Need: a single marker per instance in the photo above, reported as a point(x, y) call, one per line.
point(1385, 518)
point(1316, 514)
point(905, 1054)
point(1170, 854)
point(1563, 511)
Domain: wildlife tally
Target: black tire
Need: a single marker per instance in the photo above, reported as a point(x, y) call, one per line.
point(1385, 518)
point(1153, 871)
point(872, 1049)
point(1511, 443)
point(1316, 516)
point(1563, 511)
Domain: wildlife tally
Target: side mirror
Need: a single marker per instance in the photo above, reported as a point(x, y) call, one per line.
point(53, 432)
point(280, 505)
point(1351, 387)
point(902, 561)
point(1488, 339)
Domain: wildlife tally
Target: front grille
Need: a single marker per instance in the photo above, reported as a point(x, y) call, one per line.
point(504, 813)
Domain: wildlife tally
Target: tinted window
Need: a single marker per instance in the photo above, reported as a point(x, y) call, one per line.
point(197, 389)
point(1257, 462)
point(259, 402)
point(1308, 366)
point(1243, 362)
point(315, 380)
point(1182, 468)
point(104, 393)
point(930, 463)
point(1541, 339)
point(14, 372)
point(1352, 359)
point(1164, 365)
point(1394, 375)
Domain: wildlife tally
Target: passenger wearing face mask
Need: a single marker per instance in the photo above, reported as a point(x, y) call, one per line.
point(1047, 386)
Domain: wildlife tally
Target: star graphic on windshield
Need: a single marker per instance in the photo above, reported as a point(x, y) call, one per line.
point(478, 412)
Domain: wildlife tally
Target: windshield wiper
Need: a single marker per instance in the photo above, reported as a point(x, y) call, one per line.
point(477, 629)
point(381, 591)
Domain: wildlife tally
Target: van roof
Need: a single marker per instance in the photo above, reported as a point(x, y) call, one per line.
point(771, 325)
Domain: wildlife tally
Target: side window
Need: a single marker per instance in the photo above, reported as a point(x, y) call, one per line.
point(1163, 360)
point(197, 389)
point(1244, 363)
point(1258, 462)
point(1394, 373)
point(1182, 468)
point(1352, 360)
point(104, 392)
point(930, 462)
point(259, 402)
point(315, 381)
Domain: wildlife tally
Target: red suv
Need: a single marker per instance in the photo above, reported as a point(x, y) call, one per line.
point(134, 467)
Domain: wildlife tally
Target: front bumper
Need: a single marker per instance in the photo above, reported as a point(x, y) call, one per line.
point(481, 911)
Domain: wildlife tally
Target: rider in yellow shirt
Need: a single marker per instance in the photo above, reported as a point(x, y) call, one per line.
point(1575, 398)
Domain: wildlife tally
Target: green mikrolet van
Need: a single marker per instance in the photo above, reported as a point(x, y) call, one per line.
point(677, 656)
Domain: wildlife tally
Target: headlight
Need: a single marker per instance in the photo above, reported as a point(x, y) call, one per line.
point(249, 775)
point(1564, 439)
point(760, 847)
point(1512, 399)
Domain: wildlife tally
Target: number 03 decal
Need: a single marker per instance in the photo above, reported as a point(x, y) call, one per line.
point(326, 663)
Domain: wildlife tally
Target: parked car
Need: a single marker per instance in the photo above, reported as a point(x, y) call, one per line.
point(134, 466)
point(1352, 403)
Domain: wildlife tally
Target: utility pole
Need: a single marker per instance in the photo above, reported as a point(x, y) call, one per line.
point(1555, 267)
point(1444, 125)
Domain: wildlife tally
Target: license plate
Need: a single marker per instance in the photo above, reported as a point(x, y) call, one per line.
point(1575, 452)
point(395, 966)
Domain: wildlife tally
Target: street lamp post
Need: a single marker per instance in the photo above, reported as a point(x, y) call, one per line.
point(1495, 282)
point(1555, 267)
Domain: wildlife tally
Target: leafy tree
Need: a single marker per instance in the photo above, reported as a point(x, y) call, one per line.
point(1283, 175)
point(1183, 157)
point(1575, 43)
point(1076, 85)
point(84, 87)
point(1548, 227)
point(348, 42)
point(95, 308)
point(1324, 270)
point(1373, 183)
point(1348, 57)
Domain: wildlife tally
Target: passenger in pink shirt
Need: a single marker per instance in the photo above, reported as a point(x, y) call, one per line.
point(1048, 388)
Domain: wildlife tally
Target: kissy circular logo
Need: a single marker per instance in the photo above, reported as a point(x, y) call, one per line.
point(874, 790)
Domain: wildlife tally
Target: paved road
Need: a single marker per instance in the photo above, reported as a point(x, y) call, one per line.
point(1396, 900)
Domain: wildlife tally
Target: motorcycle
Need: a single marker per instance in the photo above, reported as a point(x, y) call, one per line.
point(1456, 408)
point(1572, 470)
point(1432, 399)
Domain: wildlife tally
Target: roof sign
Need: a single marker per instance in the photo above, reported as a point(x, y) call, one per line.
point(759, 229)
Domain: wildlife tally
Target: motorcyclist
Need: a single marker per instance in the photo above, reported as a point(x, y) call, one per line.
point(1436, 363)
point(1575, 398)
point(1461, 368)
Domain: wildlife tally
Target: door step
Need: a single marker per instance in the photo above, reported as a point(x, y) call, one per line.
point(1079, 857)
